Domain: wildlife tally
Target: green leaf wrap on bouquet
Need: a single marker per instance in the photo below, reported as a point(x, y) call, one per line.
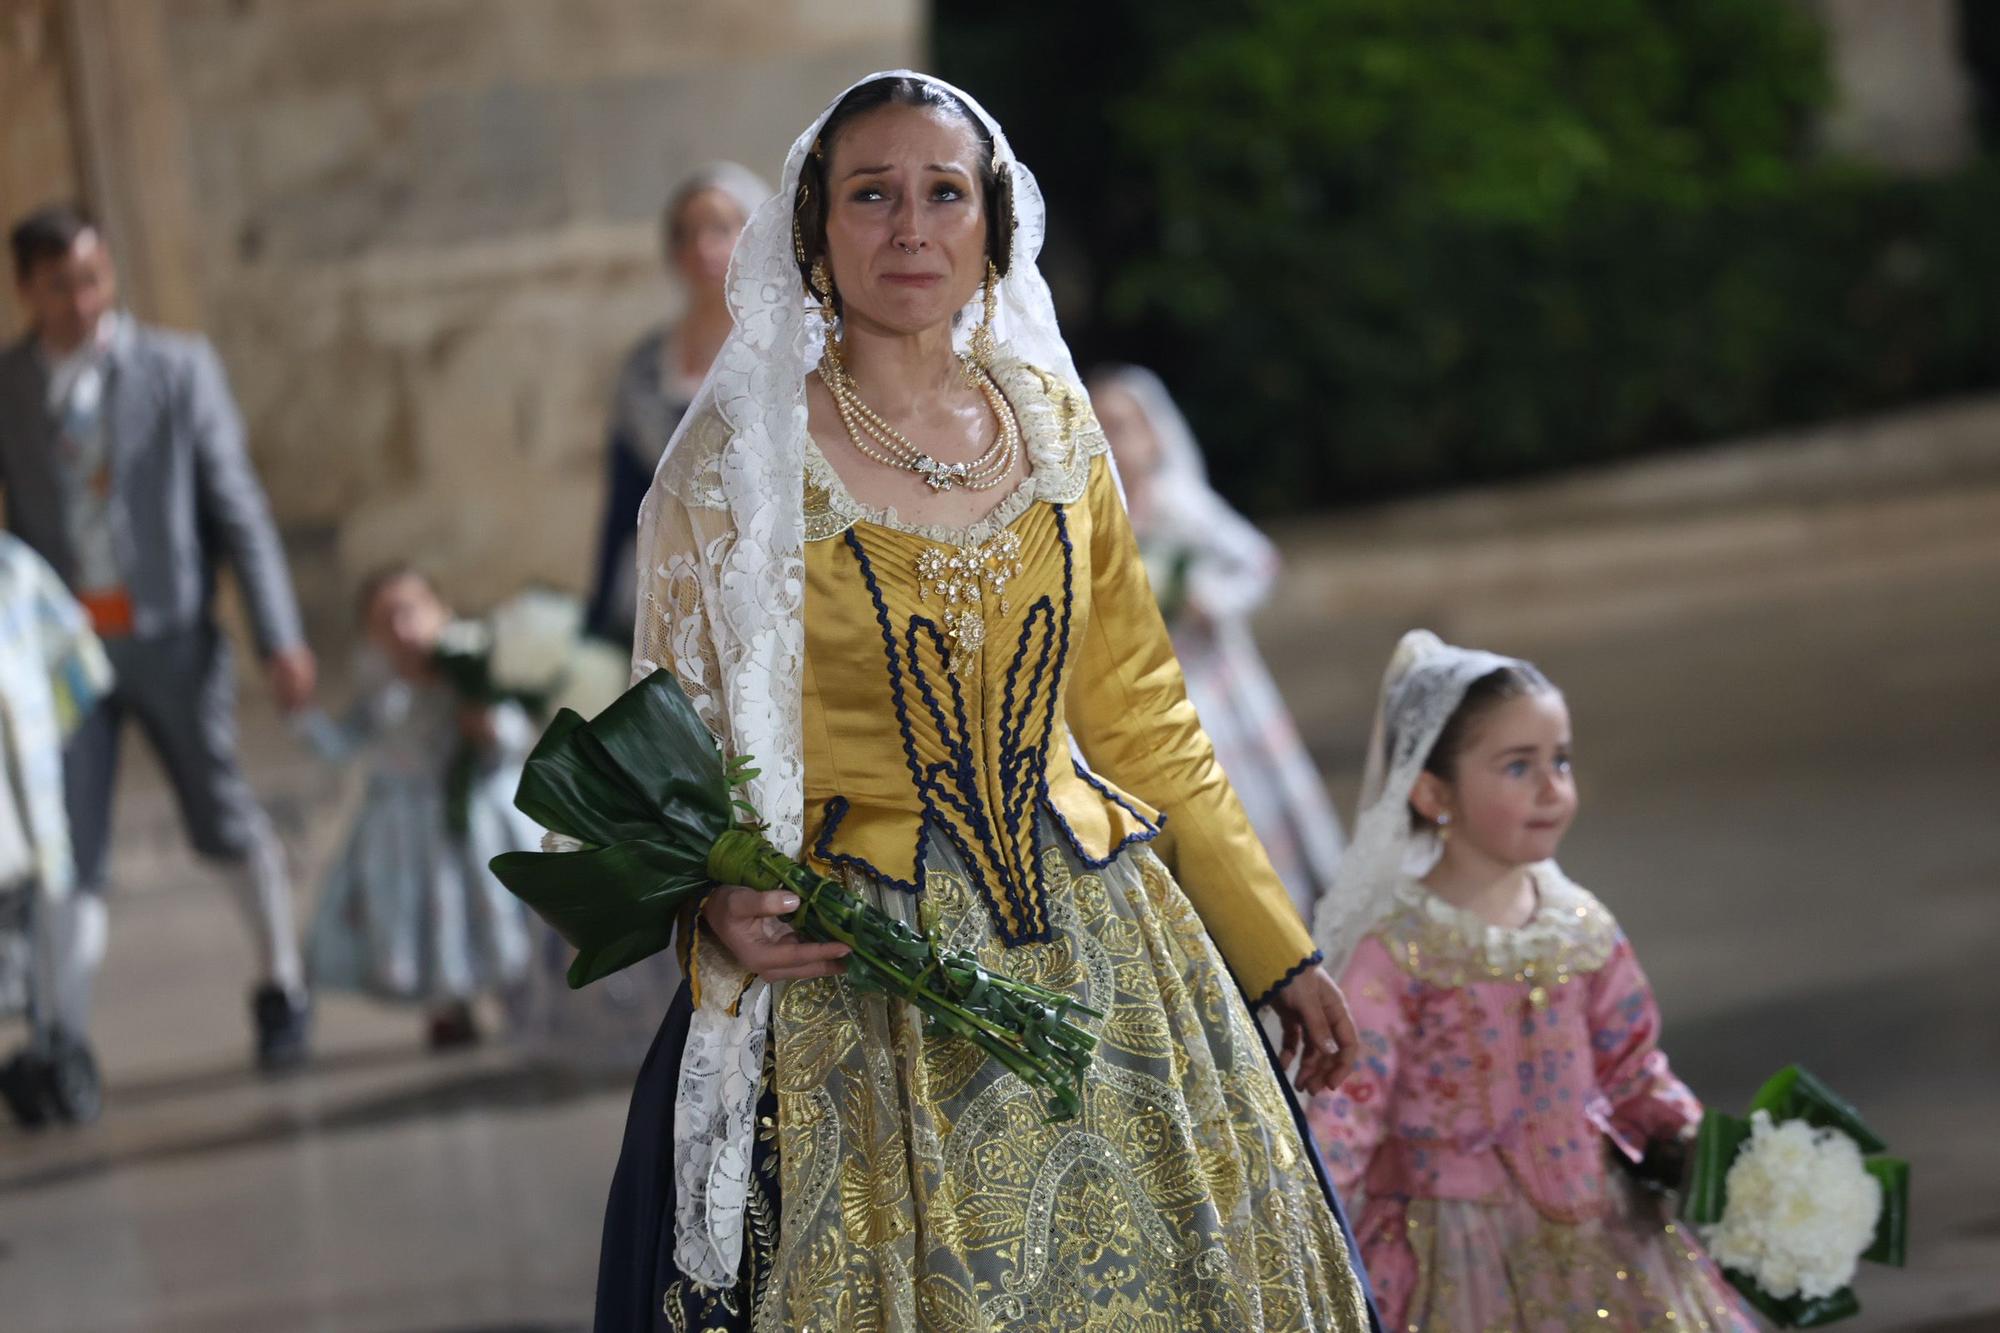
point(1795, 1094)
point(645, 791)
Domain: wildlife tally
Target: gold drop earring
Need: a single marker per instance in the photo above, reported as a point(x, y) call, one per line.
point(982, 348)
point(1444, 827)
point(821, 284)
point(822, 288)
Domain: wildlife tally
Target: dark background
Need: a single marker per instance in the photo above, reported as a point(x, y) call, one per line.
point(1382, 245)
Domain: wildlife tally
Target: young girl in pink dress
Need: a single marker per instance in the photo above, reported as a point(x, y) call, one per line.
point(1508, 1035)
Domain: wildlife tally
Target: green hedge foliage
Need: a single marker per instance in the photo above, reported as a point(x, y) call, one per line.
point(1379, 245)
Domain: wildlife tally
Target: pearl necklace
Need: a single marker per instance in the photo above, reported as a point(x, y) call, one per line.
point(891, 448)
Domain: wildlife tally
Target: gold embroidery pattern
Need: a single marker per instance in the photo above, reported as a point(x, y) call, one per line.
point(923, 1189)
point(962, 579)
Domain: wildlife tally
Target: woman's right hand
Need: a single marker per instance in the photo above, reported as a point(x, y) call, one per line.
point(749, 925)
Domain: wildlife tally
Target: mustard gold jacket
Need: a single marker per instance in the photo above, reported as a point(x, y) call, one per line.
point(958, 679)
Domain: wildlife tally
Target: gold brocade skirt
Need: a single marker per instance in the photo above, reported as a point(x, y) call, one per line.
point(923, 1190)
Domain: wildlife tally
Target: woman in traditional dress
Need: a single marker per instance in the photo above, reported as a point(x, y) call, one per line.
point(1211, 570)
point(886, 558)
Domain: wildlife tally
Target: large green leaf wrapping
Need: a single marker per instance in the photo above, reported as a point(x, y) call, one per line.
point(661, 746)
point(1797, 1311)
point(1793, 1093)
point(566, 790)
point(1722, 1136)
point(644, 787)
point(1892, 1232)
point(637, 891)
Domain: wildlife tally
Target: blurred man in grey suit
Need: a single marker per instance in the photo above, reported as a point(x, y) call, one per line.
point(123, 463)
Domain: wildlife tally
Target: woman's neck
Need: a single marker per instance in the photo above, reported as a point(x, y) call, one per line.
point(899, 371)
point(1497, 892)
point(700, 334)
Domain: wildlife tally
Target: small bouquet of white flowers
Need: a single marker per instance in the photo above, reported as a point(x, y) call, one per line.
point(531, 651)
point(1793, 1198)
point(520, 652)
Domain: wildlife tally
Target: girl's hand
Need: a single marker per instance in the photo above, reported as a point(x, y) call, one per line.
point(747, 922)
point(1314, 1016)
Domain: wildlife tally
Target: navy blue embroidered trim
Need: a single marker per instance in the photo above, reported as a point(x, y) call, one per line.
point(1148, 829)
point(895, 690)
point(1105, 790)
point(962, 767)
point(1146, 832)
point(1314, 959)
point(836, 810)
point(950, 788)
point(1024, 768)
point(939, 800)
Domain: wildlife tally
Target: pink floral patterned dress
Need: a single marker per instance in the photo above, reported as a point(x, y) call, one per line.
point(1500, 1071)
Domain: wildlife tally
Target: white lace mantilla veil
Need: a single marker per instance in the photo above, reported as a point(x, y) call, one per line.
point(721, 558)
point(1424, 685)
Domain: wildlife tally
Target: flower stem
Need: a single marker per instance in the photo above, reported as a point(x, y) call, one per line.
point(1024, 1026)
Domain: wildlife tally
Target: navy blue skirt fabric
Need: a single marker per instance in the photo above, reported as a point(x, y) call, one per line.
point(637, 1279)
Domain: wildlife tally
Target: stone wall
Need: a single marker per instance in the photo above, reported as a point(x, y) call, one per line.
point(37, 154)
point(427, 230)
point(1903, 97)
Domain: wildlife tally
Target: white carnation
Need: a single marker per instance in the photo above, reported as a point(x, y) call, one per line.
point(533, 637)
point(595, 674)
point(1802, 1208)
point(465, 638)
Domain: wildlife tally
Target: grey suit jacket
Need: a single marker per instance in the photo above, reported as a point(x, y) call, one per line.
point(185, 498)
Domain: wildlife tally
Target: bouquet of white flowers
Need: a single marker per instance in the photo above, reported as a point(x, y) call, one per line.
point(520, 652)
point(530, 650)
point(535, 635)
point(1790, 1200)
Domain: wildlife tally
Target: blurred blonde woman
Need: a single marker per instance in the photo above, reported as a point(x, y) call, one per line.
point(698, 230)
point(1210, 570)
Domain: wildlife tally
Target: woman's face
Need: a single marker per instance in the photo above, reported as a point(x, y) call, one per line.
point(905, 220)
point(1134, 444)
point(705, 233)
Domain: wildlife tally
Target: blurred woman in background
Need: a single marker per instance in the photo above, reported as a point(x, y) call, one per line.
point(698, 231)
point(1210, 570)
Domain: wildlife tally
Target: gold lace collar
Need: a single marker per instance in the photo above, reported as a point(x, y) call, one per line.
point(1570, 932)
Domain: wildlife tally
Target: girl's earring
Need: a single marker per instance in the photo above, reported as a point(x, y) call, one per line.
point(1444, 827)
